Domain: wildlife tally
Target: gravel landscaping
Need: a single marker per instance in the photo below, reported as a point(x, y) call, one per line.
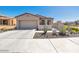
point(50, 35)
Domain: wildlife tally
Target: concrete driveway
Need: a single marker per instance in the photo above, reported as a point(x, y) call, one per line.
point(18, 34)
point(21, 41)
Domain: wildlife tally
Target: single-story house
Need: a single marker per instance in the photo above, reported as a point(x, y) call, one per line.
point(58, 24)
point(4, 20)
point(31, 21)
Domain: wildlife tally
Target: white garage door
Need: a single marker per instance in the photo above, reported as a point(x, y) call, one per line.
point(28, 24)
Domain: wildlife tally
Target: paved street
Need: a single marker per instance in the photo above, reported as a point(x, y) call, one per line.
point(16, 41)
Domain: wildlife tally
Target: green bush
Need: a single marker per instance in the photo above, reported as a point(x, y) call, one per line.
point(74, 30)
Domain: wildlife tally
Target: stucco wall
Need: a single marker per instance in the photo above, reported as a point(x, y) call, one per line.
point(34, 19)
point(26, 18)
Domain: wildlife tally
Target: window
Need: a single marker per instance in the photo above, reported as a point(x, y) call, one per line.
point(5, 22)
point(48, 22)
point(42, 22)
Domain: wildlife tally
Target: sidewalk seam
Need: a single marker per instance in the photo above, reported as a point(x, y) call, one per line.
point(73, 42)
point(53, 45)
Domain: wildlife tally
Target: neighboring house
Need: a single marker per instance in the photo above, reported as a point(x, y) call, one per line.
point(77, 22)
point(70, 23)
point(31, 21)
point(4, 20)
point(58, 24)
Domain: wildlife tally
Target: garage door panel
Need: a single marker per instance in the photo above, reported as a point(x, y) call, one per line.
point(28, 24)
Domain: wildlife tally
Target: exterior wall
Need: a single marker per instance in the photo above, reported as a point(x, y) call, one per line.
point(26, 18)
point(31, 18)
point(10, 21)
point(13, 22)
point(1, 22)
point(41, 27)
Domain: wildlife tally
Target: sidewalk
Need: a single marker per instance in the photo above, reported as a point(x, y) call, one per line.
point(58, 45)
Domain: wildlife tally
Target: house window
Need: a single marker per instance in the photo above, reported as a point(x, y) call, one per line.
point(42, 22)
point(5, 22)
point(48, 22)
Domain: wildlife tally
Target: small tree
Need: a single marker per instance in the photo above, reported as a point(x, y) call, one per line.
point(45, 31)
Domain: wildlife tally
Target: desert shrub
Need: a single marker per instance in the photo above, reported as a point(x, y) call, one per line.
point(65, 27)
point(45, 30)
point(63, 31)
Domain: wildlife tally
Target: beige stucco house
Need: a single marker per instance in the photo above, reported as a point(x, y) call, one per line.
point(31, 21)
point(58, 24)
point(7, 23)
point(4, 20)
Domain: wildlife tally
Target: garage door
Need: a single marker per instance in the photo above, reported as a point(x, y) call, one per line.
point(28, 24)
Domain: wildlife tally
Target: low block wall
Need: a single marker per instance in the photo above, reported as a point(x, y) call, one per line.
point(41, 27)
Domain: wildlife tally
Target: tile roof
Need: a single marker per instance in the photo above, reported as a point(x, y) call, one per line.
point(37, 15)
point(4, 17)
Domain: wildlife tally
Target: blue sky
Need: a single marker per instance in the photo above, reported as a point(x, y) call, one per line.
point(65, 13)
